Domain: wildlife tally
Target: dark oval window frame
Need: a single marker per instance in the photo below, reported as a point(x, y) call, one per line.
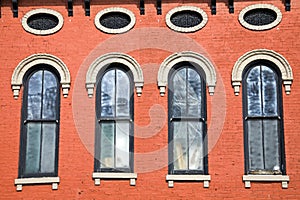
point(186, 9)
point(260, 27)
point(41, 12)
point(114, 10)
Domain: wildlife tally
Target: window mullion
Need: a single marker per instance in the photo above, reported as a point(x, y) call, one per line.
point(41, 117)
point(262, 120)
point(115, 121)
point(187, 125)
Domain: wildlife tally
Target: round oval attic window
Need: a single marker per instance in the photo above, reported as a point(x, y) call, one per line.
point(186, 19)
point(42, 21)
point(260, 17)
point(115, 20)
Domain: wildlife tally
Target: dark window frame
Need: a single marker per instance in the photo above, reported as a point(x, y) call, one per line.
point(98, 119)
point(24, 121)
point(246, 71)
point(203, 119)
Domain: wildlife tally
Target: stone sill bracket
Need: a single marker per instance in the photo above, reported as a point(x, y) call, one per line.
point(266, 178)
point(97, 176)
point(32, 181)
point(172, 177)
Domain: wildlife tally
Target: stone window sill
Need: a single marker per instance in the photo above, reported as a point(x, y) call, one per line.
point(284, 179)
point(40, 180)
point(97, 176)
point(174, 177)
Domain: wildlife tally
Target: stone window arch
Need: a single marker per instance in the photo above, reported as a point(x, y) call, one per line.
point(102, 62)
point(197, 60)
point(262, 54)
point(36, 59)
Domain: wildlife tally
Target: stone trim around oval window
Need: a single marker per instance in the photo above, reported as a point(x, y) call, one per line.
point(184, 29)
point(263, 27)
point(42, 11)
point(113, 10)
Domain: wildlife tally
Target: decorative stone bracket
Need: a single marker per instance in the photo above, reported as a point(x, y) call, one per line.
point(236, 86)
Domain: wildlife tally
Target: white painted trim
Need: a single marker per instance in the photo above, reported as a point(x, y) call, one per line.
point(114, 31)
point(104, 61)
point(174, 177)
point(262, 54)
point(35, 59)
point(196, 59)
point(97, 176)
point(43, 11)
point(284, 179)
point(264, 27)
point(42, 180)
point(189, 29)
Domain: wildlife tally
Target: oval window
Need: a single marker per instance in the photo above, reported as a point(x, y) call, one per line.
point(42, 21)
point(186, 19)
point(115, 20)
point(260, 17)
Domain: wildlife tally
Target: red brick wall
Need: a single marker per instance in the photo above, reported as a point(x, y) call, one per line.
point(223, 40)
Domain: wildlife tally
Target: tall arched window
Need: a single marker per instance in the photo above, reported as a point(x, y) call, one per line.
point(114, 120)
point(187, 120)
point(263, 122)
point(40, 123)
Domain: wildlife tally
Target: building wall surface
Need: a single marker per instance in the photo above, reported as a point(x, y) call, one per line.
point(223, 41)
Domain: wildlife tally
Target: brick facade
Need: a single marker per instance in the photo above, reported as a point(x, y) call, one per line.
point(223, 41)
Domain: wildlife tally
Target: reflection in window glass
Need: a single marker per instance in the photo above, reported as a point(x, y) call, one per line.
point(263, 121)
point(114, 137)
point(38, 156)
point(187, 120)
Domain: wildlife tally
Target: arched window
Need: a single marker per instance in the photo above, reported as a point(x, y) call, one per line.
point(187, 120)
point(114, 120)
point(40, 123)
point(263, 122)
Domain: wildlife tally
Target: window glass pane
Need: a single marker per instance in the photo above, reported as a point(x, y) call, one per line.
point(108, 94)
point(48, 147)
point(255, 144)
point(254, 92)
point(179, 93)
point(33, 147)
point(107, 145)
point(123, 94)
point(34, 96)
point(194, 93)
point(271, 144)
point(180, 145)
point(195, 130)
point(49, 96)
point(269, 83)
point(122, 144)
